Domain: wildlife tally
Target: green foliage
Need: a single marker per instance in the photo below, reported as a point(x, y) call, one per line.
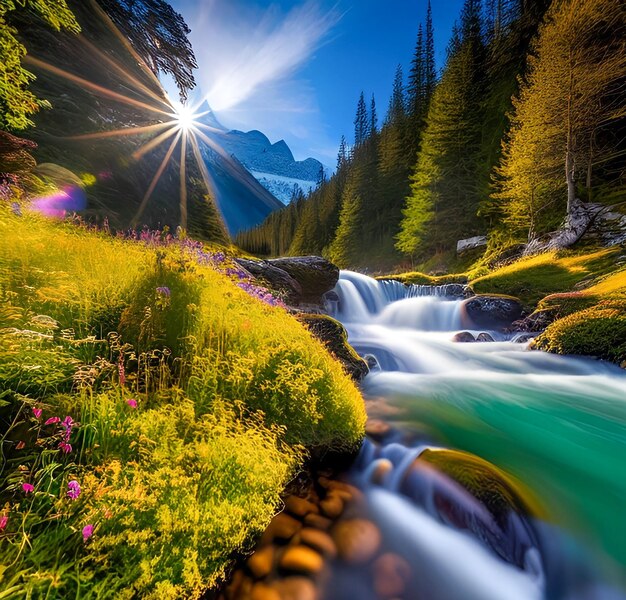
point(191, 410)
point(17, 103)
point(598, 331)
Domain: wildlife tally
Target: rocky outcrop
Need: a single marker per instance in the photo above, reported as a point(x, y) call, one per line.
point(491, 312)
point(315, 274)
point(464, 246)
point(533, 323)
point(334, 337)
point(276, 279)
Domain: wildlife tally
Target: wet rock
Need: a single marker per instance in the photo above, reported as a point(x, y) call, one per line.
point(377, 429)
point(297, 588)
point(484, 337)
point(372, 362)
point(332, 505)
point(300, 507)
point(261, 562)
point(274, 277)
point(492, 312)
point(391, 575)
point(261, 591)
point(535, 322)
point(315, 274)
point(383, 467)
point(523, 338)
point(357, 540)
point(333, 335)
point(463, 337)
point(282, 527)
point(318, 521)
point(302, 559)
point(319, 541)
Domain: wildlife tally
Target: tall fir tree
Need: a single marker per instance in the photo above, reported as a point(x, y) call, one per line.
point(430, 73)
point(373, 128)
point(361, 124)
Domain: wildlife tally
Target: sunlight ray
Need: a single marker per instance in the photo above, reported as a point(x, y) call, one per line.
point(206, 176)
point(126, 131)
point(152, 144)
point(183, 180)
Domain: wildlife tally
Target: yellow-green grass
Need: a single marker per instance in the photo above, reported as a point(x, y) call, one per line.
point(415, 277)
point(531, 279)
point(231, 394)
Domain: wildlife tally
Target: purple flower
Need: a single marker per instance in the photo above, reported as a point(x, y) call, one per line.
point(65, 447)
point(4, 519)
point(52, 420)
point(132, 402)
point(28, 487)
point(37, 412)
point(87, 532)
point(67, 424)
point(164, 291)
point(73, 489)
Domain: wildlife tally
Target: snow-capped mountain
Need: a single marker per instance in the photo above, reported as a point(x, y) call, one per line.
point(273, 165)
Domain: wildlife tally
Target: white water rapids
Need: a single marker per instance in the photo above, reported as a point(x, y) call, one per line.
point(557, 424)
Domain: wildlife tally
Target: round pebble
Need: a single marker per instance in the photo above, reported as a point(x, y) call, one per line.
point(357, 540)
point(302, 559)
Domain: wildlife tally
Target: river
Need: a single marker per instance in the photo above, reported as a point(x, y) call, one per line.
point(504, 473)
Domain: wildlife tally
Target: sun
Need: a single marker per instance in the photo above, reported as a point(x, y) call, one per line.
point(185, 117)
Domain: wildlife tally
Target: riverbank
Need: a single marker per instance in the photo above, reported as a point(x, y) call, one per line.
point(155, 403)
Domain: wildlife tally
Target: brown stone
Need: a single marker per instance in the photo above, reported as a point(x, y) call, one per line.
point(317, 521)
point(302, 559)
point(300, 507)
point(282, 527)
point(261, 591)
point(320, 541)
point(383, 467)
point(332, 505)
point(297, 588)
point(391, 575)
point(233, 587)
point(377, 428)
point(262, 561)
point(357, 540)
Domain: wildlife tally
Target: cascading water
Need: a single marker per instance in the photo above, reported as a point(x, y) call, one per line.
point(557, 424)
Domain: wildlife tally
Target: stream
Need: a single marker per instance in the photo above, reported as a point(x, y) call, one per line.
point(499, 472)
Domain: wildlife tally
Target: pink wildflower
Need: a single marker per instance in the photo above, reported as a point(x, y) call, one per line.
point(28, 487)
point(132, 402)
point(37, 412)
point(4, 519)
point(65, 447)
point(73, 489)
point(52, 420)
point(87, 532)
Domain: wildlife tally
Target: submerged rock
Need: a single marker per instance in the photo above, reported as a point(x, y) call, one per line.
point(463, 337)
point(490, 311)
point(334, 336)
point(315, 274)
point(357, 540)
point(484, 337)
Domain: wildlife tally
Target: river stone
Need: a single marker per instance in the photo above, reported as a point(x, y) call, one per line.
point(315, 274)
point(357, 540)
point(282, 527)
point(463, 337)
point(277, 279)
point(261, 562)
point(300, 507)
point(377, 429)
point(484, 337)
point(332, 505)
point(333, 335)
point(297, 588)
point(535, 322)
point(383, 467)
point(317, 521)
point(302, 559)
point(318, 540)
point(262, 591)
point(391, 575)
point(492, 311)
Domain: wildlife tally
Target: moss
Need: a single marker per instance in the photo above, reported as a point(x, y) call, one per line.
point(415, 277)
point(598, 331)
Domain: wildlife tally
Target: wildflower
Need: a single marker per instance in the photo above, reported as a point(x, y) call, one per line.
point(132, 402)
point(4, 519)
point(73, 489)
point(121, 370)
point(52, 420)
point(20, 445)
point(164, 291)
point(65, 447)
point(87, 532)
point(67, 424)
point(37, 412)
point(28, 487)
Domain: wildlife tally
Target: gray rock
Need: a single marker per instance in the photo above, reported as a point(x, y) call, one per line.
point(463, 336)
point(315, 274)
point(533, 323)
point(484, 337)
point(277, 279)
point(478, 241)
point(492, 312)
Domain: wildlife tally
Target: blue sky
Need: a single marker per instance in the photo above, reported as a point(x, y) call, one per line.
point(294, 69)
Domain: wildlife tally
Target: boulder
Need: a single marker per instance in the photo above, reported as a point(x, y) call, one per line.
point(492, 312)
point(333, 335)
point(357, 540)
point(302, 559)
point(277, 279)
point(478, 241)
point(315, 274)
point(463, 337)
point(484, 337)
point(534, 322)
point(391, 575)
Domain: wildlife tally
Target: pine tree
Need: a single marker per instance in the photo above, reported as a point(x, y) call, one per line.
point(342, 155)
point(361, 124)
point(373, 128)
point(430, 74)
point(397, 103)
point(417, 79)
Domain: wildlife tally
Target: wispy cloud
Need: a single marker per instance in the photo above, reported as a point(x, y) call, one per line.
point(241, 50)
